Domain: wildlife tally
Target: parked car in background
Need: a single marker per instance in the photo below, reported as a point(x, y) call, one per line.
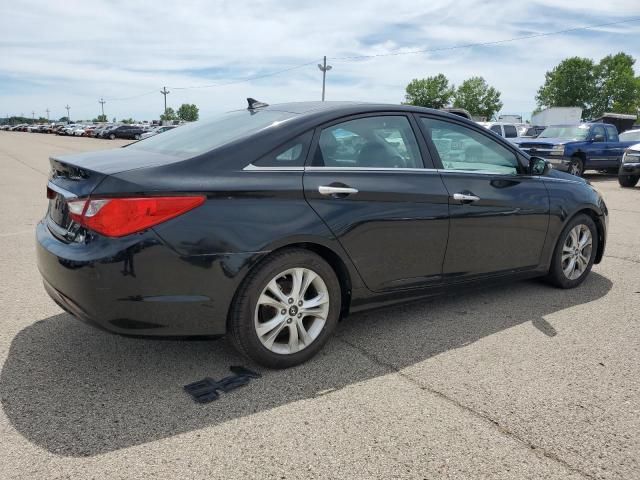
point(156, 131)
point(130, 132)
point(576, 148)
point(630, 136)
point(505, 130)
point(175, 235)
point(629, 172)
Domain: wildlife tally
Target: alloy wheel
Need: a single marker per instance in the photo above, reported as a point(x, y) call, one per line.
point(291, 311)
point(576, 251)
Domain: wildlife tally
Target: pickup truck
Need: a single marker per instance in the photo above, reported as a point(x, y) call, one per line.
point(576, 148)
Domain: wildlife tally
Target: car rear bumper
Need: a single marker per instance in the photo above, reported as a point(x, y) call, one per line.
point(139, 285)
point(629, 169)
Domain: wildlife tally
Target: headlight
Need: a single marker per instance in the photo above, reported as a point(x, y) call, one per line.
point(631, 156)
point(557, 150)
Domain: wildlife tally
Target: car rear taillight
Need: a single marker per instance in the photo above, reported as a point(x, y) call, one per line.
point(117, 217)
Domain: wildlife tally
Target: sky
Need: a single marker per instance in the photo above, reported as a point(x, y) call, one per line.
point(65, 52)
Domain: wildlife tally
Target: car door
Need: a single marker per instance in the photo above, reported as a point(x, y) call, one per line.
point(499, 213)
point(366, 179)
point(614, 150)
point(597, 147)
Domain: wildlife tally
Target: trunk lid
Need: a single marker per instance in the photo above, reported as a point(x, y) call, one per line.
point(78, 175)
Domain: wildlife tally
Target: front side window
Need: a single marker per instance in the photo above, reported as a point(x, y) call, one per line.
point(462, 148)
point(370, 142)
point(597, 131)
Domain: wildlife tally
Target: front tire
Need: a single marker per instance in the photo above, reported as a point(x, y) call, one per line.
point(576, 167)
point(575, 253)
point(112, 136)
point(286, 309)
point(628, 181)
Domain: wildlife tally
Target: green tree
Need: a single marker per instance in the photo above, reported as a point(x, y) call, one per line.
point(188, 112)
point(432, 92)
point(127, 121)
point(572, 83)
point(101, 118)
point(63, 119)
point(476, 96)
point(169, 115)
point(618, 90)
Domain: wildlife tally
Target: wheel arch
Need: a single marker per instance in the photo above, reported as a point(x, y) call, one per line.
point(336, 262)
point(597, 219)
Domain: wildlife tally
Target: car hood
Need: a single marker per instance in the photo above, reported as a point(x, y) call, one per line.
point(635, 147)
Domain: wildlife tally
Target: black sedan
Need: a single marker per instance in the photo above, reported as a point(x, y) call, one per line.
point(129, 132)
point(269, 224)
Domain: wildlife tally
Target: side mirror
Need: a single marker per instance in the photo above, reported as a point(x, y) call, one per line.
point(538, 166)
point(598, 138)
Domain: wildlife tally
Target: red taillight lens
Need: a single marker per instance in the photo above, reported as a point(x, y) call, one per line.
point(117, 217)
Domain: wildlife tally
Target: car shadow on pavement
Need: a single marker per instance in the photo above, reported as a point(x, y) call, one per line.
point(78, 391)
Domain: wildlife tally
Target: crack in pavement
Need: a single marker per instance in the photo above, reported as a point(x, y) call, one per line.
point(24, 163)
point(623, 258)
point(539, 451)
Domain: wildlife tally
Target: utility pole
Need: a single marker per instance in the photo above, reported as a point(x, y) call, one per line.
point(47, 110)
point(324, 68)
point(68, 108)
point(102, 102)
point(165, 92)
point(33, 116)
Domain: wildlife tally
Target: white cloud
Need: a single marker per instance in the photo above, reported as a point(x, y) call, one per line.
point(54, 53)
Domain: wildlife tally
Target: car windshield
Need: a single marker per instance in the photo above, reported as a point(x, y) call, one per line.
point(631, 136)
point(203, 136)
point(566, 132)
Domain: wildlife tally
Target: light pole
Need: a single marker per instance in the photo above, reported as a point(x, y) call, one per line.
point(102, 102)
point(68, 119)
point(165, 92)
point(47, 110)
point(324, 68)
point(33, 117)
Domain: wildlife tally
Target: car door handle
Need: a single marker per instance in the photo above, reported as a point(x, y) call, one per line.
point(328, 190)
point(465, 197)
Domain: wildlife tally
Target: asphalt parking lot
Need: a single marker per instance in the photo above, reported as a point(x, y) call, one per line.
point(521, 381)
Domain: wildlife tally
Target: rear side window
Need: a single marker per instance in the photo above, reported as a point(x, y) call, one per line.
point(291, 154)
point(369, 142)
point(612, 133)
point(510, 131)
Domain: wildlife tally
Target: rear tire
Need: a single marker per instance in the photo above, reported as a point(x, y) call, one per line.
point(575, 252)
point(287, 332)
point(628, 181)
point(112, 136)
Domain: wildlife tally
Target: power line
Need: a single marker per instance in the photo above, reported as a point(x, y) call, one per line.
point(484, 44)
point(248, 79)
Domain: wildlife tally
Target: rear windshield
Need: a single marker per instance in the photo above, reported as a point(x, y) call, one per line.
point(566, 132)
point(200, 137)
